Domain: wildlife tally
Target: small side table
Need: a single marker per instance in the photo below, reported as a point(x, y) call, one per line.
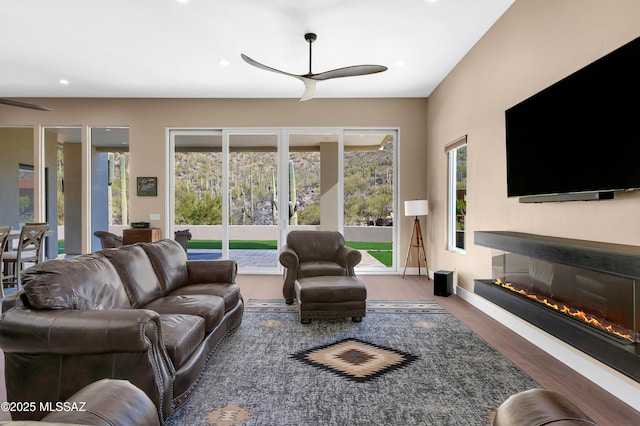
point(140, 235)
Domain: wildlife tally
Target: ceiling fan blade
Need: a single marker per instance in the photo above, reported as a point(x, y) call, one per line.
point(310, 89)
point(310, 78)
point(309, 84)
point(24, 105)
point(351, 71)
point(264, 67)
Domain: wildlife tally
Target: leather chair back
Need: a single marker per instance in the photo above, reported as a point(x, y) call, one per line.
point(108, 239)
point(315, 245)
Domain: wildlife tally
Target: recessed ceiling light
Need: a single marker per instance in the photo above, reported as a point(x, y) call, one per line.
point(63, 81)
point(184, 1)
point(430, 1)
point(400, 63)
point(224, 62)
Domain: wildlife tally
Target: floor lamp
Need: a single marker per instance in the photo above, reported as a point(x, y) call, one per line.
point(416, 208)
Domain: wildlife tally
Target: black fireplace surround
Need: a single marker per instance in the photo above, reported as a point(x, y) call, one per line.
point(602, 280)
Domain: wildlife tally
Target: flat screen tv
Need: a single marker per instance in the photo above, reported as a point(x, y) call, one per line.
point(580, 135)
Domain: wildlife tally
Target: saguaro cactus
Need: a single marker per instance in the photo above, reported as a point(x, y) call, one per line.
point(293, 203)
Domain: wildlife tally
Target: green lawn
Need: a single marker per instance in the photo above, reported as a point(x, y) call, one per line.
point(381, 251)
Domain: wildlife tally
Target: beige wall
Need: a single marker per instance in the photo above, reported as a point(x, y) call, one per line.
point(148, 120)
point(534, 44)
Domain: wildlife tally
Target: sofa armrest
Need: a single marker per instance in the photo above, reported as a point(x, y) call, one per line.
point(108, 402)
point(56, 331)
point(212, 271)
point(348, 257)
point(12, 300)
point(289, 259)
point(291, 262)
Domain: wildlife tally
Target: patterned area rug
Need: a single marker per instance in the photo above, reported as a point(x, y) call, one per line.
point(405, 364)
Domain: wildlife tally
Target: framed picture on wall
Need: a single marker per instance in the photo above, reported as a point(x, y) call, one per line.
point(147, 186)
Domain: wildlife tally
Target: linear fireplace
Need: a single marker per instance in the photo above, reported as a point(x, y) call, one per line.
point(584, 293)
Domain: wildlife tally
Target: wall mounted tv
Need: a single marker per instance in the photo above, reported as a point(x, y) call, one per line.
point(580, 137)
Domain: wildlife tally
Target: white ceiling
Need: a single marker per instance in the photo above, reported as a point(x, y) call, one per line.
point(163, 48)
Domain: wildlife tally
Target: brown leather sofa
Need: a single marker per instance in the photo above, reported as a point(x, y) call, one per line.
point(313, 254)
point(106, 402)
point(140, 312)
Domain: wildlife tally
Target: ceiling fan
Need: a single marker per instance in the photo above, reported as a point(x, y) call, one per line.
point(310, 78)
point(24, 105)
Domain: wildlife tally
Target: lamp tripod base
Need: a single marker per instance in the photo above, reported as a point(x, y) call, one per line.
point(418, 245)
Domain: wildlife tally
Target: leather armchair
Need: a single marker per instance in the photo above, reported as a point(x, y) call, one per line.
point(540, 407)
point(108, 240)
point(315, 253)
point(105, 402)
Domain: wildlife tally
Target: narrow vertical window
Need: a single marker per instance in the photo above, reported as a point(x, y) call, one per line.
point(457, 194)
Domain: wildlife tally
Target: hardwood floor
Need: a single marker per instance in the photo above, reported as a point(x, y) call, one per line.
point(550, 373)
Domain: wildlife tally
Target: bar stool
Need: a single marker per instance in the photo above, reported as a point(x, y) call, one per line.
point(4, 237)
point(29, 249)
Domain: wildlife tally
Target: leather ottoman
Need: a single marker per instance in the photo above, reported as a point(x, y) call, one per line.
point(331, 297)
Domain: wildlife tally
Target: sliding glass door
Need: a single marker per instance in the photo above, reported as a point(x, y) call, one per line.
point(225, 193)
point(109, 181)
point(199, 193)
point(369, 196)
point(254, 198)
point(240, 191)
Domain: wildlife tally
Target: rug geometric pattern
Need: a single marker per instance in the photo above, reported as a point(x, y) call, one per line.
point(355, 359)
point(456, 378)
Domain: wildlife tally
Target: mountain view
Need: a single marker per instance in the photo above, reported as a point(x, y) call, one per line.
point(253, 188)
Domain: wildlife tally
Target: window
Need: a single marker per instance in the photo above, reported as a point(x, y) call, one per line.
point(25, 190)
point(457, 199)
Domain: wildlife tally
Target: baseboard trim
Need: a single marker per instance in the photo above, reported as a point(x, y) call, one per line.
point(610, 380)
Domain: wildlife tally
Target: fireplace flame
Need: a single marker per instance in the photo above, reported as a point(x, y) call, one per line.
point(567, 310)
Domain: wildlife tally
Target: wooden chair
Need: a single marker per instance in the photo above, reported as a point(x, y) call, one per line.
point(108, 240)
point(29, 250)
point(4, 237)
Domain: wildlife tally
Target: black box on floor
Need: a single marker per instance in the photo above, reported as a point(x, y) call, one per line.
point(442, 283)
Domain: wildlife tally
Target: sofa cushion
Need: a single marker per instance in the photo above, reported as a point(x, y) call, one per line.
point(86, 282)
point(182, 334)
point(169, 260)
point(229, 292)
point(210, 308)
point(136, 272)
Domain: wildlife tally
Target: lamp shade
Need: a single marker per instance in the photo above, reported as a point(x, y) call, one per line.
point(416, 208)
